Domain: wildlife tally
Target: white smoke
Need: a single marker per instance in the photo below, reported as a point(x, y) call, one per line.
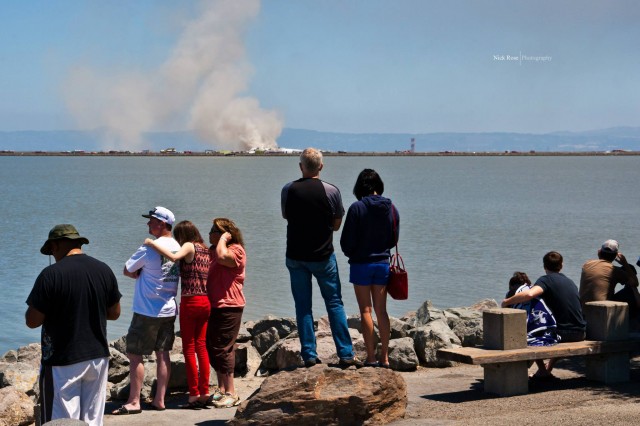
point(200, 85)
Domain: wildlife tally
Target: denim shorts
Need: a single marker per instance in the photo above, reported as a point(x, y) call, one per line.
point(149, 334)
point(369, 273)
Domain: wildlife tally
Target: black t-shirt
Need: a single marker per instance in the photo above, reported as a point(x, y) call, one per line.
point(561, 296)
point(310, 207)
point(74, 294)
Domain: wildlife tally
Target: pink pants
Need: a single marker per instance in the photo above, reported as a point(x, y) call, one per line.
point(194, 315)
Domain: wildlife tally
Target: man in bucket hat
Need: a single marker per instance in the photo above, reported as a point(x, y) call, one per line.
point(154, 310)
point(72, 301)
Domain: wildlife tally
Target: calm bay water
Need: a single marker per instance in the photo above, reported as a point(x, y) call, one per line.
point(467, 223)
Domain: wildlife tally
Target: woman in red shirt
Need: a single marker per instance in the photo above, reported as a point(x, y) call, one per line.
point(224, 287)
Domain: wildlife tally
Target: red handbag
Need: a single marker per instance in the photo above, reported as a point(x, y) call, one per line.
point(398, 285)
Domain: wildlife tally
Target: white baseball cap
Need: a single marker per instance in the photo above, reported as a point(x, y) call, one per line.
point(161, 213)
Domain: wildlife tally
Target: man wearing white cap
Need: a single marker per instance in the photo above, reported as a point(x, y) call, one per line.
point(600, 277)
point(154, 310)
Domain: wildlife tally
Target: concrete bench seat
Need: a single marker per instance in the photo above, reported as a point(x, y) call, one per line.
point(481, 356)
point(505, 355)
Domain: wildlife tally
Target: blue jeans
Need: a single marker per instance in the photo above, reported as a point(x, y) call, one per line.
point(326, 273)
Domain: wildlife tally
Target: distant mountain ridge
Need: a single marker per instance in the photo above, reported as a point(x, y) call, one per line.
point(615, 138)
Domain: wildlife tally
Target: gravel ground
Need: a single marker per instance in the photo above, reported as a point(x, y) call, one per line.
point(454, 396)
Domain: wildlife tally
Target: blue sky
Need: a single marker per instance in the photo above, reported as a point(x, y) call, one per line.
point(407, 66)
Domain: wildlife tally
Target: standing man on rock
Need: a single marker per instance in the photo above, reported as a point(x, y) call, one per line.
point(313, 210)
point(154, 310)
point(72, 301)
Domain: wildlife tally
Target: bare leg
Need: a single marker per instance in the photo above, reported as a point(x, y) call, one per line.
point(227, 380)
point(379, 293)
point(550, 364)
point(136, 375)
point(363, 295)
point(221, 382)
point(163, 372)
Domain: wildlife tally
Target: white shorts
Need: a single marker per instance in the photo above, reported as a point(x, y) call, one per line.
point(76, 391)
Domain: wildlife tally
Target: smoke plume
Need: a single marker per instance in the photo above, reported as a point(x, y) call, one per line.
point(200, 86)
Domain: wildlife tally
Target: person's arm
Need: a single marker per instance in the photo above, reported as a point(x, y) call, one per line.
point(113, 312)
point(336, 223)
point(632, 278)
point(224, 256)
point(187, 251)
point(133, 274)
point(33, 317)
point(523, 296)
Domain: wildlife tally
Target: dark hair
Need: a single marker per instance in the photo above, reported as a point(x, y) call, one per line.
point(517, 280)
point(552, 261)
point(367, 183)
point(186, 232)
point(222, 224)
point(607, 255)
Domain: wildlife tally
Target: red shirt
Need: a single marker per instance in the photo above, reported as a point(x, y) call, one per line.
point(224, 284)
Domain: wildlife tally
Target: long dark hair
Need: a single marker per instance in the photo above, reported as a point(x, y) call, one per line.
point(367, 183)
point(186, 232)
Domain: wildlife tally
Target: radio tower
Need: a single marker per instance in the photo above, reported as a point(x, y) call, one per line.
point(413, 145)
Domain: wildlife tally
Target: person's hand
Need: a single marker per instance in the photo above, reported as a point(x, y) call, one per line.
point(226, 237)
point(621, 259)
point(148, 242)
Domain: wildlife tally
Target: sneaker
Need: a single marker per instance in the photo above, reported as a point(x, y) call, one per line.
point(215, 397)
point(227, 401)
point(348, 362)
point(311, 362)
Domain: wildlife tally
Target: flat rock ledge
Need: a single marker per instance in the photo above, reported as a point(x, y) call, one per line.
point(326, 396)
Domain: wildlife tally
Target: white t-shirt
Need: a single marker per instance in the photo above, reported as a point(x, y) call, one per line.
point(157, 285)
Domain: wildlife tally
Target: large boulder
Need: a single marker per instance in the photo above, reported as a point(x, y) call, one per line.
point(326, 396)
point(402, 354)
point(466, 323)
point(118, 365)
point(30, 354)
point(399, 328)
point(16, 408)
point(263, 341)
point(20, 375)
point(431, 337)
point(285, 354)
point(248, 360)
point(484, 304)
point(284, 326)
point(243, 334)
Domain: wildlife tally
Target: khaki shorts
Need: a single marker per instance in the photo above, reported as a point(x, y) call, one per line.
point(149, 334)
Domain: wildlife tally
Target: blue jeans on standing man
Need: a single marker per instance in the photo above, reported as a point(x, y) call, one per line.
point(326, 273)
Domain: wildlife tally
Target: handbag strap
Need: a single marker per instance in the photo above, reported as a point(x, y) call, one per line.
point(395, 228)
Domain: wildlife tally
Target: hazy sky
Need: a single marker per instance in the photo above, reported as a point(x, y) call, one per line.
point(403, 66)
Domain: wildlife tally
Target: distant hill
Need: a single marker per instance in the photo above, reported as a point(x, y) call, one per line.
point(622, 138)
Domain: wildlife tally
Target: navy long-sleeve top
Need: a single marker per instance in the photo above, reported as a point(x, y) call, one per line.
point(368, 233)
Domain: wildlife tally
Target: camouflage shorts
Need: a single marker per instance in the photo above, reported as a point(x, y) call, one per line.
point(149, 334)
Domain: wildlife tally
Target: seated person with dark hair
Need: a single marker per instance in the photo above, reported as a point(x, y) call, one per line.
point(561, 296)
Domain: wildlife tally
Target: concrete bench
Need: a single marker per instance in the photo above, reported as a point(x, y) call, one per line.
point(505, 355)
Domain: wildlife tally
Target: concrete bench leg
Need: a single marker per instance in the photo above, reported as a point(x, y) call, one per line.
point(609, 368)
point(507, 379)
point(608, 321)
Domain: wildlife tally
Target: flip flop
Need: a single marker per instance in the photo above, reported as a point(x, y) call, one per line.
point(154, 408)
point(195, 405)
point(122, 411)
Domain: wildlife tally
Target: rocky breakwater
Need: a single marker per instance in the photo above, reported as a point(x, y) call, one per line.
point(264, 347)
